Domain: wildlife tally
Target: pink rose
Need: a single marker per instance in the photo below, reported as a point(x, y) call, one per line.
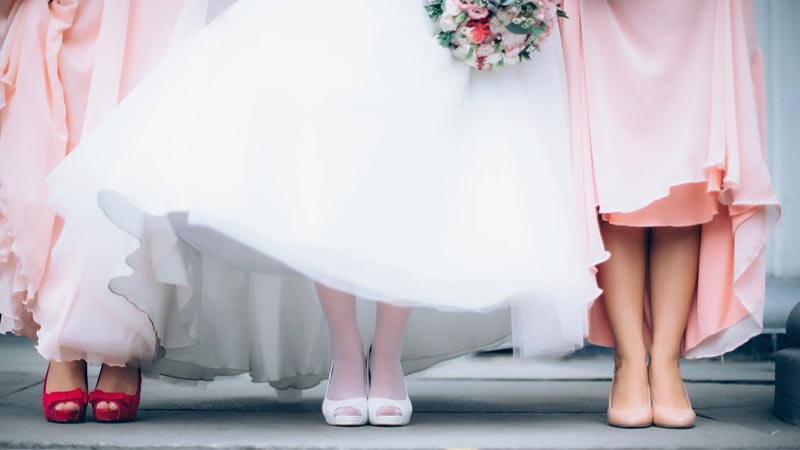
point(477, 12)
point(463, 4)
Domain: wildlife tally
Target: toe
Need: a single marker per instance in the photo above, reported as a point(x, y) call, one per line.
point(346, 411)
point(390, 411)
point(110, 406)
point(67, 406)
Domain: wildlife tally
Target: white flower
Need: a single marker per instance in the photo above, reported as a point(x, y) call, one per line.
point(463, 40)
point(511, 60)
point(494, 58)
point(512, 40)
point(472, 61)
point(461, 52)
point(504, 17)
point(451, 8)
point(496, 25)
point(448, 23)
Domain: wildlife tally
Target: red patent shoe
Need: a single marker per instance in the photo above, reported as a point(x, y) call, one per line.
point(53, 399)
point(127, 404)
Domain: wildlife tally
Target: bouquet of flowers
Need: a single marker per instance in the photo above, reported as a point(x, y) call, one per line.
point(488, 34)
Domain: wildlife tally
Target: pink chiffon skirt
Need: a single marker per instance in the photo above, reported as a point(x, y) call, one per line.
point(667, 113)
point(64, 65)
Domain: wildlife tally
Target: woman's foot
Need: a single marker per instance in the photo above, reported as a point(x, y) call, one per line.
point(117, 379)
point(386, 380)
point(66, 376)
point(631, 385)
point(117, 394)
point(64, 395)
point(667, 384)
point(629, 399)
point(671, 405)
point(345, 401)
point(347, 381)
point(346, 397)
point(388, 397)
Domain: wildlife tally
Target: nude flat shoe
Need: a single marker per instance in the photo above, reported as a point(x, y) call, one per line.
point(666, 417)
point(638, 417)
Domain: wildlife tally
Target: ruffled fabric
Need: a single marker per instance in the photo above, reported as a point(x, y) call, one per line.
point(214, 318)
point(672, 126)
point(225, 205)
point(64, 65)
point(31, 94)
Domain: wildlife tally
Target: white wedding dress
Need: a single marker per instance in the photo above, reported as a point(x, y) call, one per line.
point(296, 141)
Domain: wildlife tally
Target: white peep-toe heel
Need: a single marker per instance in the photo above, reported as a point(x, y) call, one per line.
point(329, 408)
point(375, 404)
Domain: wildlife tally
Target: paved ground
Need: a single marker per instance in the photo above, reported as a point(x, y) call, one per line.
point(476, 402)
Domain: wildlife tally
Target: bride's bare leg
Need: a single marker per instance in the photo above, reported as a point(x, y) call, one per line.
point(387, 379)
point(347, 380)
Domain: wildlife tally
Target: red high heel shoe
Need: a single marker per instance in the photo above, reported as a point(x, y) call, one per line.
point(127, 405)
point(53, 399)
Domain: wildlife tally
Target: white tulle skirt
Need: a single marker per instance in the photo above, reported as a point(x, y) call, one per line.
point(296, 141)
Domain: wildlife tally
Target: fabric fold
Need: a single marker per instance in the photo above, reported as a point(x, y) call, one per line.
point(65, 65)
point(689, 150)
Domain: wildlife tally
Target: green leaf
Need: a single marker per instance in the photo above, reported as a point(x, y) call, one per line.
point(470, 52)
point(444, 38)
point(563, 14)
point(538, 30)
point(518, 29)
point(435, 9)
point(434, 12)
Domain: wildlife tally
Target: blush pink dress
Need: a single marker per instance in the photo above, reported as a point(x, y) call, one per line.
point(63, 66)
point(667, 112)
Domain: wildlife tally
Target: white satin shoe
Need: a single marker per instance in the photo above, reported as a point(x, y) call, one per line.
point(375, 404)
point(329, 408)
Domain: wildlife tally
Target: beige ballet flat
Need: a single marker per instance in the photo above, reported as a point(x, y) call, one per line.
point(639, 417)
point(666, 417)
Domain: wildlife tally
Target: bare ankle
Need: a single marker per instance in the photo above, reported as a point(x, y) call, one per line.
point(665, 360)
point(66, 375)
point(385, 356)
point(630, 360)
